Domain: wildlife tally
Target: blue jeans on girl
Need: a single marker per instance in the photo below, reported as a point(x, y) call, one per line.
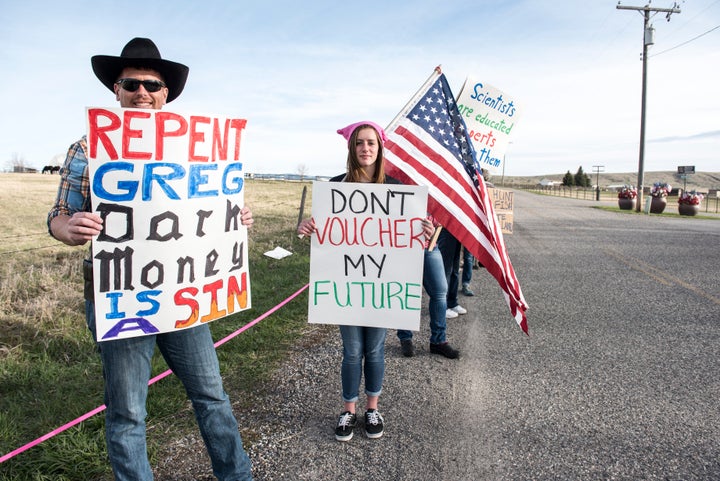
point(360, 343)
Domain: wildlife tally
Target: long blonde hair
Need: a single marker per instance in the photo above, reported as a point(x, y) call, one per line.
point(355, 172)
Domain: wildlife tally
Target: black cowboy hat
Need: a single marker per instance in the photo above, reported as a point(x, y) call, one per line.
point(141, 53)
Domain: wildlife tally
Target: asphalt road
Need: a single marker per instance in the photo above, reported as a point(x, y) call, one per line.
point(618, 379)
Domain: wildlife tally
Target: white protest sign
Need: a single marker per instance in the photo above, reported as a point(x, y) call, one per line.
point(173, 251)
point(366, 259)
point(490, 116)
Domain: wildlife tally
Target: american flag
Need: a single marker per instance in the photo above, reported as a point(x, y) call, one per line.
point(428, 144)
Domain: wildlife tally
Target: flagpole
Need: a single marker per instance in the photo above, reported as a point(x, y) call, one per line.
point(435, 74)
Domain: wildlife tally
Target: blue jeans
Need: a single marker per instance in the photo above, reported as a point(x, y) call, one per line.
point(435, 285)
point(191, 355)
point(451, 250)
point(362, 342)
point(467, 269)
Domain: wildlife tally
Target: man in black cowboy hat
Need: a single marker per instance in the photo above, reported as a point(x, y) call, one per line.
point(141, 78)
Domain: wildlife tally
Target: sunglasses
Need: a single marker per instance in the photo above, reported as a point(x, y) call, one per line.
point(131, 84)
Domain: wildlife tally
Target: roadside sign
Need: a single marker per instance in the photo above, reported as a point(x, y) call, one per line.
point(686, 169)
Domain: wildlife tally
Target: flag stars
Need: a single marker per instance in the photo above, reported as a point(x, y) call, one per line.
point(437, 114)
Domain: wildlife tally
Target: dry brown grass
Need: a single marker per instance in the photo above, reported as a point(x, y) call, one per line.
point(38, 275)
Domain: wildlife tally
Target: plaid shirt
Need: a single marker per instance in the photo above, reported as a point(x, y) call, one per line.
point(74, 189)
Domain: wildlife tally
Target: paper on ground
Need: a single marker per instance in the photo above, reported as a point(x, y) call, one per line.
point(278, 253)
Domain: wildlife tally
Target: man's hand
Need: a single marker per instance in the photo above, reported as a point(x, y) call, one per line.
point(76, 229)
point(246, 217)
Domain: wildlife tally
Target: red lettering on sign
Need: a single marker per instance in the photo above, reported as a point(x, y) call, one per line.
point(161, 119)
point(194, 306)
point(97, 133)
point(129, 133)
point(197, 137)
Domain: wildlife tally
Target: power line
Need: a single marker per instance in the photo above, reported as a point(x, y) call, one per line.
point(27, 250)
point(15, 236)
point(685, 43)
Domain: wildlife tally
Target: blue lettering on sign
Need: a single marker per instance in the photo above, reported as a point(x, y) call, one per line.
point(237, 180)
point(131, 324)
point(149, 176)
point(114, 313)
point(128, 186)
point(147, 296)
point(199, 177)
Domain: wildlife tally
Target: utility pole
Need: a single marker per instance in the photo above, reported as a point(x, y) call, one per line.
point(648, 39)
point(502, 182)
point(597, 169)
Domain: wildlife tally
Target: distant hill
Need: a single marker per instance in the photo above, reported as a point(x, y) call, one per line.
point(701, 181)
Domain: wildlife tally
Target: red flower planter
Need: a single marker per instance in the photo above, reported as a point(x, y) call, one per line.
point(688, 209)
point(626, 204)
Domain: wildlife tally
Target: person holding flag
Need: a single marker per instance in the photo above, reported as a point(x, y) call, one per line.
point(436, 286)
point(428, 144)
point(451, 250)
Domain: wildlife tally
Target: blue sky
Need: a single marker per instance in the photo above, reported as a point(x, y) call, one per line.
point(298, 71)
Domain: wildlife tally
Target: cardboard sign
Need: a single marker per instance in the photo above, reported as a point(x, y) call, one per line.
point(491, 117)
point(503, 204)
point(173, 252)
point(367, 254)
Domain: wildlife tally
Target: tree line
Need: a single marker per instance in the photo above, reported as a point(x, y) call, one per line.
point(580, 179)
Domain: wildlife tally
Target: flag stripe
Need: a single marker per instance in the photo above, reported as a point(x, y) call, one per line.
point(428, 145)
point(443, 188)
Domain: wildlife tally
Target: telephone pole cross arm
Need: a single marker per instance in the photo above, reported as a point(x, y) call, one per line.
point(648, 33)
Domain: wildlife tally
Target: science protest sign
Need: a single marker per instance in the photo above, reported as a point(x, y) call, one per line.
point(173, 251)
point(366, 257)
point(490, 116)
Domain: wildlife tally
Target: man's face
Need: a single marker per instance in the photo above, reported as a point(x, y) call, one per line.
point(141, 98)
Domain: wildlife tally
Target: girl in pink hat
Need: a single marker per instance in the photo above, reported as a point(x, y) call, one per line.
point(363, 347)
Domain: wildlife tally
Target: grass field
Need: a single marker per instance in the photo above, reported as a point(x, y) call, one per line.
point(49, 370)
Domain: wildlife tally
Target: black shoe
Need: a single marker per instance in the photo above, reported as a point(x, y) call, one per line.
point(444, 349)
point(466, 291)
point(407, 347)
point(374, 427)
point(346, 422)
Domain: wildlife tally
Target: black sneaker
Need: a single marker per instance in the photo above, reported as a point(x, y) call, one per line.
point(346, 422)
point(373, 424)
point(467, 291)
point(444, 349)
point(408, 350)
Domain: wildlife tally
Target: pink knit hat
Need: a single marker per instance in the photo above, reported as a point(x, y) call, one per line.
point(347, 131)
